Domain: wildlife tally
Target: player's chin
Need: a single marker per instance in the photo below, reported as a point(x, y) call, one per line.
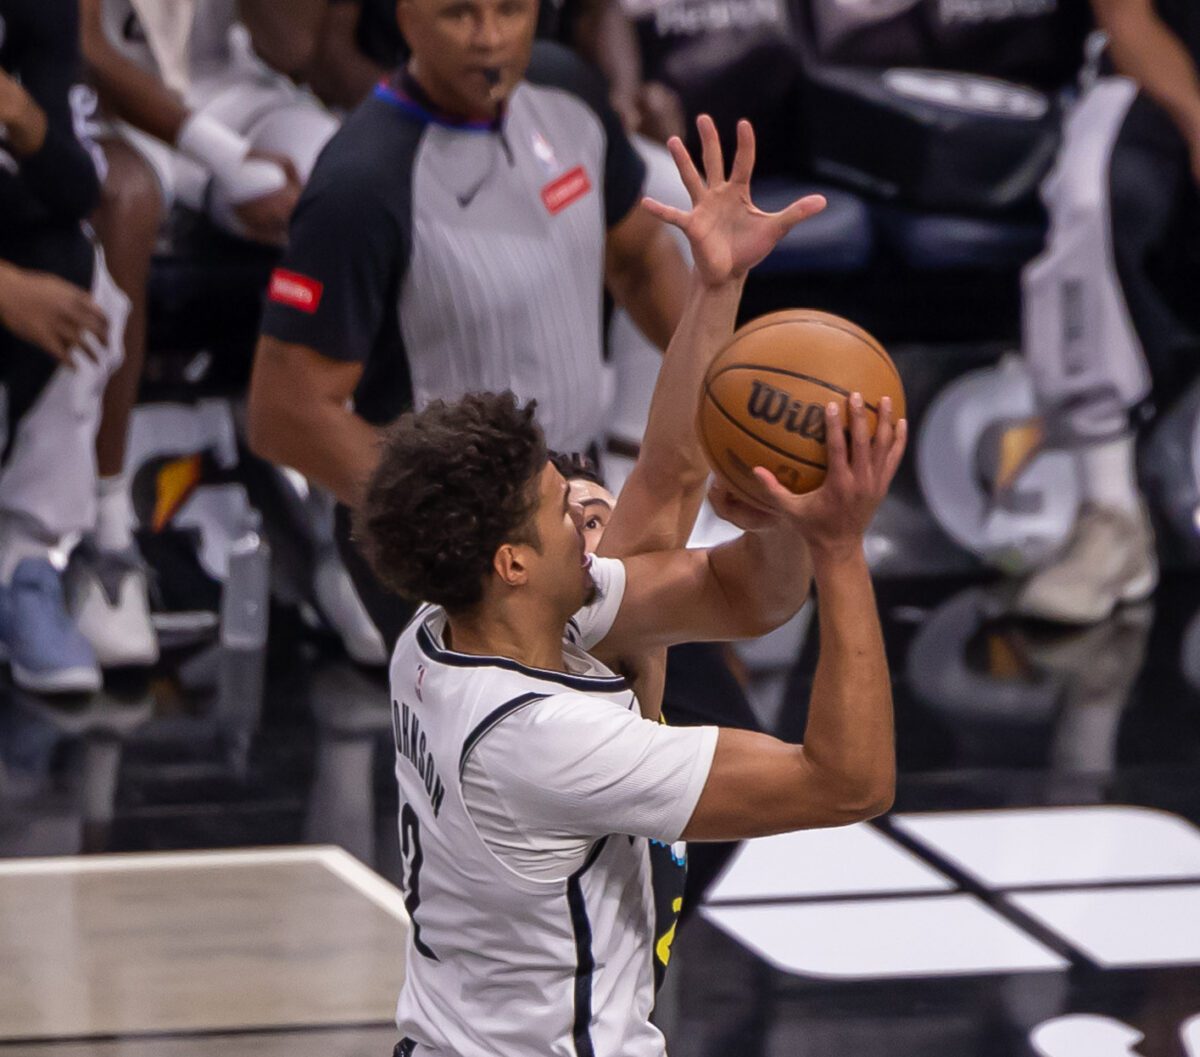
point(590, 591)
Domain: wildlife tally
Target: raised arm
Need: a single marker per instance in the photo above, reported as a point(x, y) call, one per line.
point(845, 771)
point(728, 236)
point(1144, 49)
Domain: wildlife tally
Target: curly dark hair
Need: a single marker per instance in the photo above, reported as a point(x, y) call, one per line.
point(454, 482)
point(577, 466)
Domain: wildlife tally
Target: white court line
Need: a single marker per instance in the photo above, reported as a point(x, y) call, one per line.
point(337, 861)
point(379, 890)
point(84, 864)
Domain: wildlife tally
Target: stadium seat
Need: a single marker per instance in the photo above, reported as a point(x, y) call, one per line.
point(937, 242)
point(838, 240)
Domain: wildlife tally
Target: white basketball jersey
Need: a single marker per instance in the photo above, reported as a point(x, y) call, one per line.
point(179, 40)
point(499, 964)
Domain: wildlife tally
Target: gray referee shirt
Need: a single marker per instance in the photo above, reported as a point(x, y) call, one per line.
point(451, 257)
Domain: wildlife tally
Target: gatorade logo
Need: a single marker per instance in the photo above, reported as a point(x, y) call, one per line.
point(295, 290)
point(568, 188)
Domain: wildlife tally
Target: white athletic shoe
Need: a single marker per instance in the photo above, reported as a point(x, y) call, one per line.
point(344, 612)
point(1108, 561)
point(109, 597)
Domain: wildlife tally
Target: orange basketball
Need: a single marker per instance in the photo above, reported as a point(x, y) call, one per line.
point(764, 396)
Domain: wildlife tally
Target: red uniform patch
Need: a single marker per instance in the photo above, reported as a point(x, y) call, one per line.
point(568, 188)
point(295, 290)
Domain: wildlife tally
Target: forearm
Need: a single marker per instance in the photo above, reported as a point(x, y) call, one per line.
point(662, 496)
point(134, 95)
point(1144, 49)
point(328, 443)
point(850, 738)
point(603, 36)
point(763, 578)
point(651, 285)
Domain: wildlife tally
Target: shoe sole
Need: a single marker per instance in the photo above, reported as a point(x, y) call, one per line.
point(1137, 590)
point(63, 681)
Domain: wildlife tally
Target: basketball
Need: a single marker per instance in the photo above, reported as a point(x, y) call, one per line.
point(764, 396)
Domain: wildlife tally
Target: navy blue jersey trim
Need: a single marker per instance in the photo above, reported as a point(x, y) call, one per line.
point(588, 683)
point(406, 104)
point(585, 962)
point(490, 720)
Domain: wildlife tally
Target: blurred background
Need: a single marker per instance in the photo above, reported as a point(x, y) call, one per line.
point(194, 663)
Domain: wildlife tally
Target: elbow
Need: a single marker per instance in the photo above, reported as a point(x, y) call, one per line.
point(880, 804)
point(860, 800)
point(761, 620)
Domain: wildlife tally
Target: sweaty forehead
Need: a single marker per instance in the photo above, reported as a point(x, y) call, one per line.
point(587, 493)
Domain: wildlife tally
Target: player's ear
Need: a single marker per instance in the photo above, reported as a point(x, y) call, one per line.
point(509, 564)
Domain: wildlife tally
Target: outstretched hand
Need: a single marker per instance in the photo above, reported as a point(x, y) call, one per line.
point(728, 233)
point(834, 517)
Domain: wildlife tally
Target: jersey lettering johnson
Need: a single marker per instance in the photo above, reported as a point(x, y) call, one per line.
point(411, 744)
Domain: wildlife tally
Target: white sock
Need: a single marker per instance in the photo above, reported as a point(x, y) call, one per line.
point(1108, 473)
point(114, 513)
point(18, 542)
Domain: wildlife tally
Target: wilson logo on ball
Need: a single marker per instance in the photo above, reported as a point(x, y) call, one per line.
point(773, 406)
point(765, 396)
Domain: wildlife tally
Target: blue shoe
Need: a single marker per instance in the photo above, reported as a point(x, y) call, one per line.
point(47, 652)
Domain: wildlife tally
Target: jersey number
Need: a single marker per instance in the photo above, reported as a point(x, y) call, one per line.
point(410, 847)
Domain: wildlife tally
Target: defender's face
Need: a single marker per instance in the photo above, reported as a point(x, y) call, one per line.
point(560, 570)
point(469, 54)
point(597, 504)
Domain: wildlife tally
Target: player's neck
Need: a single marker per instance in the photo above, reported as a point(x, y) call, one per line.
point(516, 636)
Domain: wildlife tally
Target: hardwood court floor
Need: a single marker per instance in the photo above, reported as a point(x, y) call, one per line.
point(197, 943)
point(333, 1042)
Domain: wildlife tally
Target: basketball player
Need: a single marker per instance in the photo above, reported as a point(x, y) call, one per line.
point(61, 322)
point(662, 495)
point(201, 112)
point(530, 784)
point(1101, 332)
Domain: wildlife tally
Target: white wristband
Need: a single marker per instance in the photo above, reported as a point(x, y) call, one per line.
point(254, 178)
point(224, 154)
point(218, 148)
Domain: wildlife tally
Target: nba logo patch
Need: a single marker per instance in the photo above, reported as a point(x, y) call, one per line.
point(420, 680)
point(545, 155)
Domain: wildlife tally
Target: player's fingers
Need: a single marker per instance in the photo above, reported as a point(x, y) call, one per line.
point(860, 434)
point(692, 182)
point(776, 495)
point(59, 346)
point(896, 452)
point(289, 169)
point(836, 459)
point(668, 214)
point(801, 209)
point(743, 160)
point(881, 444)
point(710, 146)
point(92, 317)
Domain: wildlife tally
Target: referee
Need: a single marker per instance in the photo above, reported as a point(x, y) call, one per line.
point(457, 235)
